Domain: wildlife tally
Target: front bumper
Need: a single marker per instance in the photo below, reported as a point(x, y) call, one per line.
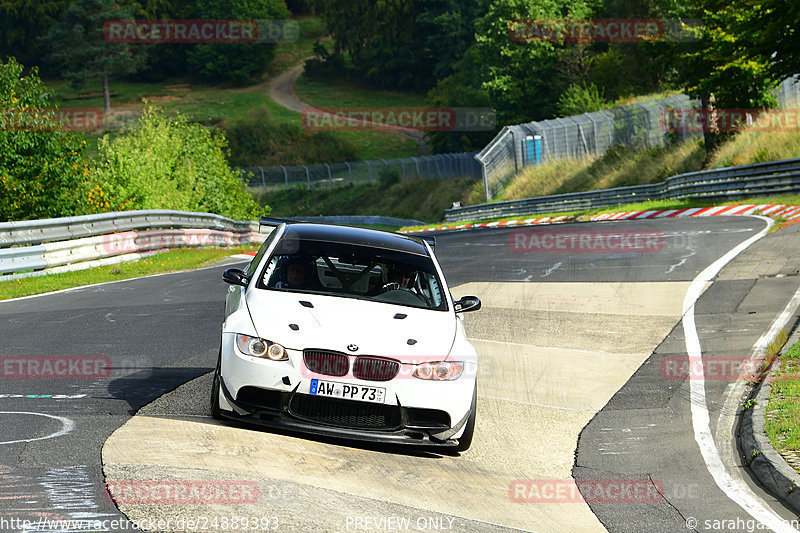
point(393, 424)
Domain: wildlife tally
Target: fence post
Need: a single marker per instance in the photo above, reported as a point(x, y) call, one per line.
point(369, 170)
point(514, 146)
point(308, 177)
point(403, 167)
point(263, 181)
point(646, 122)
point(349, 172)
point(330, 177)
point(627, 126)
point(285, 177)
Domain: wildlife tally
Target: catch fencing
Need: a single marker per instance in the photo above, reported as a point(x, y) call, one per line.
point(773, 178)
point(638, 125)
point(441, 166)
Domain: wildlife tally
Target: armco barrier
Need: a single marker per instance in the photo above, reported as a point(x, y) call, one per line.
point(761, 179)
point(59, 229)
point(17, 259)
point(98, 239)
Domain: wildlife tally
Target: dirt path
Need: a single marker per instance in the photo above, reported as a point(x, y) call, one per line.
point(281, 90)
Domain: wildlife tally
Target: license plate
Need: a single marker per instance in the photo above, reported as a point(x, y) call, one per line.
point(347, 391)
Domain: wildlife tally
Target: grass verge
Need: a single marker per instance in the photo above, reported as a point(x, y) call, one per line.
point(418, 199)
point(782, 413)
point(172, 261)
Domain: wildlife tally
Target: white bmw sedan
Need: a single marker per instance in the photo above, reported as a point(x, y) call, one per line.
point(347, 332)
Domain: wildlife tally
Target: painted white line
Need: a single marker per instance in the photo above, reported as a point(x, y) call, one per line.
point(73, 289)
point(45, 396)
point(734, 391)
point(736, 491)
point(67, 425)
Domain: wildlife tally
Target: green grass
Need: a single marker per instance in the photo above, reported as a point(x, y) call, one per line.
point(420, 199)
point(172, 261)
point(290, 53)
point(619, 167)
point(216, 105)
point(323, 93)
point(783, 412)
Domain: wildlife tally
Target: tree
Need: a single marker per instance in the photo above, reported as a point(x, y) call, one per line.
point(719, 70)
point(771, 32)
point(522, 78)
point(78, 46)
point(42, 171)
point(22, 21)
point(163, 163)
point(236, 62)
point(382, 39)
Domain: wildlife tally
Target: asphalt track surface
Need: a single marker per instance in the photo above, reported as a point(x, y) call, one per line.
point(161, 332)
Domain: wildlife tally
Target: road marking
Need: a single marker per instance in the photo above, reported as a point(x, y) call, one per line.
point(93, 285)
point(49, 396)
point(701, 423)
point(67, 425)
point(734, 391)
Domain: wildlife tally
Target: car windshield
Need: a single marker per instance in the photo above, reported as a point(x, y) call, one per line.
point(352, 271)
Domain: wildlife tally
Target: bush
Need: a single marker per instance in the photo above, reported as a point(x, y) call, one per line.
point(388, 177)
point(42, 171)
point(258, 139)
point(164, 163)
point(578, 99)
point(235, 62)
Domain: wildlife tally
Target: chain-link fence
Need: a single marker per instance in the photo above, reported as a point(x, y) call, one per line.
point(442, 166)
point(788, 92)
point(637, 125)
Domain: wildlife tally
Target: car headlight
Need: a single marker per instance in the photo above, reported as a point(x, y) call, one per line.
point(258, 347)
point(439, 370)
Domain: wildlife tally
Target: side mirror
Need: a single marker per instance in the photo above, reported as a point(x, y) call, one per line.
point(468, 303)
point(234, 276)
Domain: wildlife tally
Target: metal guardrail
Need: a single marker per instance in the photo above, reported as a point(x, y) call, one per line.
point(57, 229)
point(760, 179)
point(41, 245)
point(58, 244)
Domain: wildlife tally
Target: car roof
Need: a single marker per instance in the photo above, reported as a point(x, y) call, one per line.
point(357, 236)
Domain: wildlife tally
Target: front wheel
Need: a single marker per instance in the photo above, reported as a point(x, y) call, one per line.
point(465, 441)
point(216, 390)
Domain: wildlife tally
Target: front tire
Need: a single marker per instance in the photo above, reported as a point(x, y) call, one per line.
point(465, 441)
point(216, 390)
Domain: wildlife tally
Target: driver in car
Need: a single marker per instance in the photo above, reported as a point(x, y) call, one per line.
point(399, 278)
